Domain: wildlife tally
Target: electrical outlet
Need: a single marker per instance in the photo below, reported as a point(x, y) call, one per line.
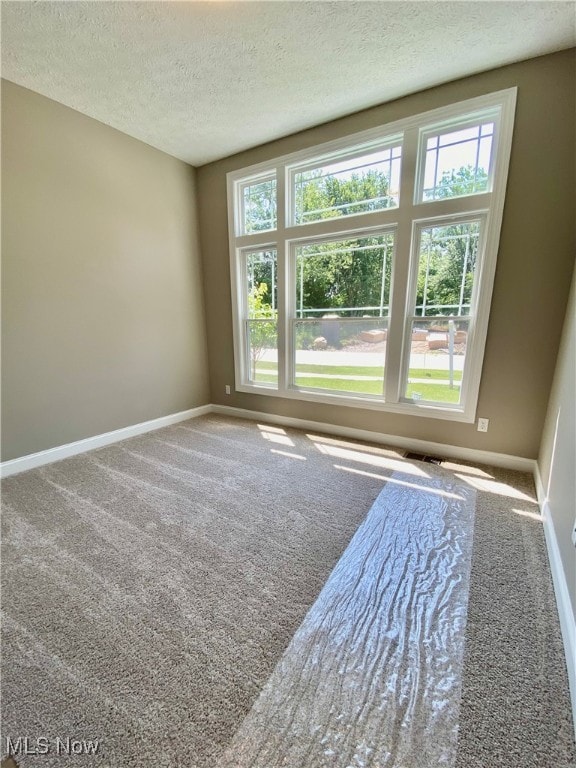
point(227, 389)
point(483, 425)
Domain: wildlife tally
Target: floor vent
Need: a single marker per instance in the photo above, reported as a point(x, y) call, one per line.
point(422, 457)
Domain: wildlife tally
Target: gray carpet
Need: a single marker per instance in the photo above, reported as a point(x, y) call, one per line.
point(515, 710)
point(150, 588)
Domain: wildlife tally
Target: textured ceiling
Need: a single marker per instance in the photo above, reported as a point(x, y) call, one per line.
point(202, 80)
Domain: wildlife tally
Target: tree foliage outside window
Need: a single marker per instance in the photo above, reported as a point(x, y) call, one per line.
point(262, 324)
point(384, 244)
point(334, 278)
point(326, 197)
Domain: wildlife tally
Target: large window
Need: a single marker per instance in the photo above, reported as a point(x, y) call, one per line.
point(362, 269)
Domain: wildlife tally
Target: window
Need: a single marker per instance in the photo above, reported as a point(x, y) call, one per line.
point(261, 328)
point(346, 185)
point(441, 302)
point(342, 301)
point(362, 270)
point(458, 162)
point(258, 201)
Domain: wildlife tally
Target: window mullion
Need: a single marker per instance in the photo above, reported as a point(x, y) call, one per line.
point(401, 269)
point(283, 282)
point(453, 206)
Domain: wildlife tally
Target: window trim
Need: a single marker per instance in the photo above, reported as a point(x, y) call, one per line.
point(488, 204)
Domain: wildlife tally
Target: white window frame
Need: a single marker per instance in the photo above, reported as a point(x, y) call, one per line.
point(406, 220)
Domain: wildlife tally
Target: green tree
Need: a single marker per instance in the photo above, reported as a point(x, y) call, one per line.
point(464, 181)
point(348, 273)
point(448, 254)
point(260, 206)
point(336, 276)
point(446, 268)
point(263, 325)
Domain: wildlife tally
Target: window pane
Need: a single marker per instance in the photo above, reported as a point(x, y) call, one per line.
point(259, 206)
point(446, 265)
point(341, 354)
point(342, 298)
point(348, 187)
point(351, 277)
point(262, 340)
point(458, 163)
point(261, 325)
point(437, 355)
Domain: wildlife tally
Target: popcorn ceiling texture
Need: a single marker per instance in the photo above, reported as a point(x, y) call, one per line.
point(201, 81)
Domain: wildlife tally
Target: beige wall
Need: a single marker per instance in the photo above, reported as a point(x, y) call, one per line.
point(102, 313)
point(103, 321)
point(557, 460)
point(533, 274)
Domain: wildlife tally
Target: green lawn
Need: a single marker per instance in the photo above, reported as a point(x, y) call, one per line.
point(434, 373)
point(440, 393)
point(266, 373)
point(333, 370)
point(361, 370)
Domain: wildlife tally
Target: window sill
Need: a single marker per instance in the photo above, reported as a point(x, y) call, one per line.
point(368, 403)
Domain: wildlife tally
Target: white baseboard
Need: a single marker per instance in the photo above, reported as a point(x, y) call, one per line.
point(33, 460)
point(394, 441)
point(567, 620)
